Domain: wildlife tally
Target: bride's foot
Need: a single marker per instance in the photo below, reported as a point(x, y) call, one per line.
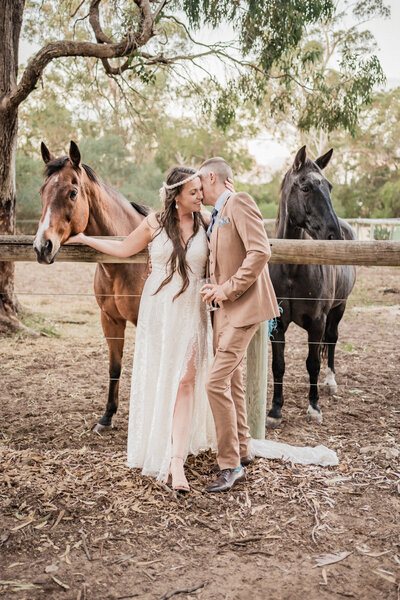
point(179, 481)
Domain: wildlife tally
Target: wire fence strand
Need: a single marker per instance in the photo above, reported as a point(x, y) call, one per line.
point(279, 298)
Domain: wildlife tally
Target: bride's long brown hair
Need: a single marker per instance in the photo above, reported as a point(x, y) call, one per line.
point(169, 221)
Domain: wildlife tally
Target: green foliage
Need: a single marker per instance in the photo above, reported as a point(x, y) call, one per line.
point(29, 179)
point(267, 61)
point(269, 210)
point(266, 29)
point(265, 194)
point(368, 162)
point(390, 195)
point(109, 155)
point(132, 128)
point(315, 93)
point(144, 184)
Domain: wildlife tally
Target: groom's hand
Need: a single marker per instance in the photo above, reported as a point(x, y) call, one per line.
point(214, 292)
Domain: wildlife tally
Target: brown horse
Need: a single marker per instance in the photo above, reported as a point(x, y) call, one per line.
point(74, 200)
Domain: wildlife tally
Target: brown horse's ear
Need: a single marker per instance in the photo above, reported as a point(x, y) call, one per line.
point(46, 154)
point(300, 159)
point(323, 160)
point(74, 154)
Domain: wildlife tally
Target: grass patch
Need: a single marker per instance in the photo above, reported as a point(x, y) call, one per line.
point(41, 324)
point(347, 347)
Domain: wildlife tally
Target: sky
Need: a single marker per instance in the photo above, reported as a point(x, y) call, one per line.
point(270, 154)
point(386, 33)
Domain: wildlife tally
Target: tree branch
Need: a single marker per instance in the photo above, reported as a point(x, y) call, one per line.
point(77, 9)
point(159, 9)
point(104, 49)
point(94, 20)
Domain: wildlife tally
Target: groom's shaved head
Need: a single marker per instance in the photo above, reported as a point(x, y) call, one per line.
point(216, 165)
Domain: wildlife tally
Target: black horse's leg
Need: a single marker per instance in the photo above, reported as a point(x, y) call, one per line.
point(274, 416)
point(315, 337)
point(114, 331)
point(331, 337)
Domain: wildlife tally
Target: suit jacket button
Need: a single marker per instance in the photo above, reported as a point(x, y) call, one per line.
point(211, 274)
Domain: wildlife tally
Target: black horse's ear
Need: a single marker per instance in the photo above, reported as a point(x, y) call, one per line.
point(74, 154)
point(46, 154)
point(323, 160)
point(300, 159)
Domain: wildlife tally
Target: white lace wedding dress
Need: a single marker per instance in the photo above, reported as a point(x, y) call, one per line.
point(167, 335)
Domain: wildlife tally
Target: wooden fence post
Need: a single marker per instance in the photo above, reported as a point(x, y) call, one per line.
point(256, 385)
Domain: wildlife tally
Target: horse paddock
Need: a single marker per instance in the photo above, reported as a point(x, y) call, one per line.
point(78, 524)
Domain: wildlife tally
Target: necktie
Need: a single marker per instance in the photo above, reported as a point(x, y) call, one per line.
point(211, 225)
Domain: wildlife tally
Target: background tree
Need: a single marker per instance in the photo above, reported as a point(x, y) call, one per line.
point(136, 41)
point(367, 163)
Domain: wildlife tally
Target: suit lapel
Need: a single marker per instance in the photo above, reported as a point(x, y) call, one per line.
point(214, 233)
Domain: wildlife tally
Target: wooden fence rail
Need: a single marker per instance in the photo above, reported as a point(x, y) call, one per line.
point(367, 226)
point(316, 252)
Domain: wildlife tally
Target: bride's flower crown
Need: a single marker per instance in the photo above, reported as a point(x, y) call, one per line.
point(165, 185)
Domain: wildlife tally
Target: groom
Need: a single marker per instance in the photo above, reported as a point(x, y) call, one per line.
point(241, 286)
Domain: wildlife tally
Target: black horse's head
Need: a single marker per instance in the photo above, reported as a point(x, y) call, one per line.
point(306, 199)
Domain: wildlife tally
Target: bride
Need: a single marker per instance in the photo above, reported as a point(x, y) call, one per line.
point(169, 414)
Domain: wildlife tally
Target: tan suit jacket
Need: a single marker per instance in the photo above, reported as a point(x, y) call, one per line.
point(239, 253)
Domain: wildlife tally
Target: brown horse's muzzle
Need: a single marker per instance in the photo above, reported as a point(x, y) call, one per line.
point(46, 250)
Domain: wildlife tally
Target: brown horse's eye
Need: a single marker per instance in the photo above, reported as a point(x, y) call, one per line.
point(73, 194)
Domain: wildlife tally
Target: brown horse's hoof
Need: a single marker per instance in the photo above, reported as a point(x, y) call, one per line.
point(314, 415)
point(273, 423)
point(98, 428)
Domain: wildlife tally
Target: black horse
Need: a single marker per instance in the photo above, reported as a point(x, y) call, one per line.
point(312, 296)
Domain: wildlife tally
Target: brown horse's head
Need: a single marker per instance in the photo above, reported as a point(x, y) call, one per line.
point(65, 206)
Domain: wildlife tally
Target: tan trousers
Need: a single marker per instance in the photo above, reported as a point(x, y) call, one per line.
point(225, 390)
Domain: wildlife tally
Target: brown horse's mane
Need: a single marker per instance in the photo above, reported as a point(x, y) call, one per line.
point(57, 164)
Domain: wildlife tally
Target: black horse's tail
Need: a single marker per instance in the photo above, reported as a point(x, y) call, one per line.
point(324, 346)
point(323, 350)
point(141, 209)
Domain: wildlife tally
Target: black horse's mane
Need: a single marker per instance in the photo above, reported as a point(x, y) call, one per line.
point(308, 163)
point(57, 164)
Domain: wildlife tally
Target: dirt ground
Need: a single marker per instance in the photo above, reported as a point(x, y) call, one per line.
point(77, 524)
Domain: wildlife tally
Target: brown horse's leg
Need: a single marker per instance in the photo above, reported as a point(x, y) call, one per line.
point(114, 331)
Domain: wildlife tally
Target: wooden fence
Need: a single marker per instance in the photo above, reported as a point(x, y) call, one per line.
point(316, 252)
point(364, 228)
point(337, 252)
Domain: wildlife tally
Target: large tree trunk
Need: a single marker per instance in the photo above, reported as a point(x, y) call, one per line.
point(11, 12)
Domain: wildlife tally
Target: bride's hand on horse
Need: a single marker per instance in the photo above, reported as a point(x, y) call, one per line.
point(229, 185)
point(75, 239)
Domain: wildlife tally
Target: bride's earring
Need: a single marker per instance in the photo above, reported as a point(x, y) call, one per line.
point(176, 205)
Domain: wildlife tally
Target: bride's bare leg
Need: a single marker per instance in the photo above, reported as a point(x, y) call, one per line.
point(181, 423)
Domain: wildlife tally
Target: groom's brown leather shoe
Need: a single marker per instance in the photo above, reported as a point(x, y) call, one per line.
point(226, 479)
point(245, 461)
